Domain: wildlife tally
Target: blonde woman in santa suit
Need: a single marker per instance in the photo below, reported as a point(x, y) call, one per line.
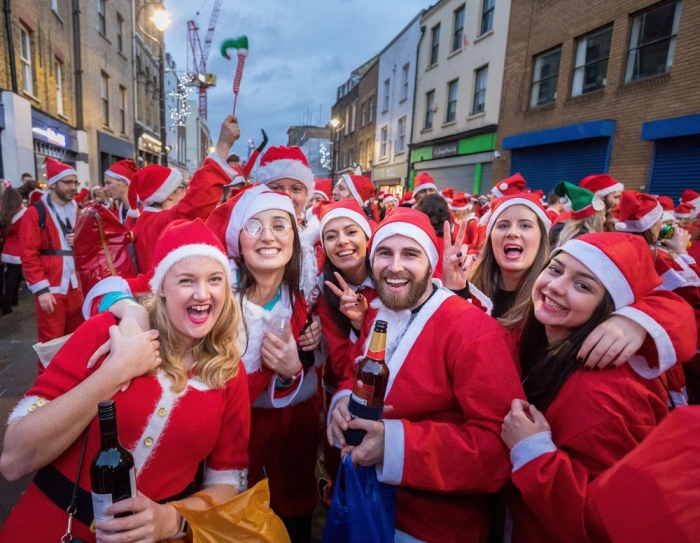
point(575, 423)
point(189, 388)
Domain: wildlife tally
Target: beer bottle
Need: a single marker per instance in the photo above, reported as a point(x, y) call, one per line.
point(371, 380)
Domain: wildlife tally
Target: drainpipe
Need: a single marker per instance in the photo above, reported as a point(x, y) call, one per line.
point(7, 8)
point(413, 113)
point(77, 59)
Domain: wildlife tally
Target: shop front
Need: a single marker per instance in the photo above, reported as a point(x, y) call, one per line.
point(111, 150)
point(391, 178)
point(147, 147)
point(52, 139)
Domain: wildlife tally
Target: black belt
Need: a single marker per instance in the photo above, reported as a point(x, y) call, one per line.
point(59, 489)
point(56, 252)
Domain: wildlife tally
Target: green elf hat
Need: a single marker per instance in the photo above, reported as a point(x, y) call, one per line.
point(583, 202)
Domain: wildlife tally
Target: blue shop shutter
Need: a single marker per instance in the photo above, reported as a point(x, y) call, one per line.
point(544, 166)
point(676, 166)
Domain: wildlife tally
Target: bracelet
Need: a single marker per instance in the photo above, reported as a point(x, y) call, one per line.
point(182, 528)
point(283, 382)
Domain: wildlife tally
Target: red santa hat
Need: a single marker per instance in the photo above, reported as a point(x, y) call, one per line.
point(227, 220)
point(359, 186)
point(410, 223)
point(407, 198)
point(621, 262)
point(324, 188)
point(460, 202)
point(182, 239)
point(285, 162)
point(637, 211)
point(528, 200)
point(152, 185)
point(515, 184)
point(81, 195)
point(601, 184)
point(347, 208)
point(666, 202)
point(381, 196)
point(123, 169)
point(423, 181)
point(35, 196)
point(448, 194)
point(239, 179)
point(683, 211)
point(55, 170)
point(691, 197)
point(390, 198)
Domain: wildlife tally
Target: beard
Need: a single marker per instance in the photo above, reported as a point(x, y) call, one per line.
point(401, 301)
point(64, 195)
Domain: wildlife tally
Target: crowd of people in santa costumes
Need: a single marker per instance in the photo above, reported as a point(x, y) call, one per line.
point(498, 306)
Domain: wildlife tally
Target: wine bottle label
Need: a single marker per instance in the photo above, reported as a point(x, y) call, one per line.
point(376, 355)
point(100, 502)
point(362, 393)
point(132, 478)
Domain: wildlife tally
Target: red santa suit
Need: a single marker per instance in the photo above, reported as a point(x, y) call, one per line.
point(154, 423)
point(452, 381)
point(203, 193)
point(12, 247)
point(49, 267)
point(652, 494)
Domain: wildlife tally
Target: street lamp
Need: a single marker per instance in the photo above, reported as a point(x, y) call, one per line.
point(161, 20)
point(335, 125)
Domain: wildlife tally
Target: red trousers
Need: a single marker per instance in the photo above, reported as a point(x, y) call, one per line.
point(283, 447)
point(67, 315)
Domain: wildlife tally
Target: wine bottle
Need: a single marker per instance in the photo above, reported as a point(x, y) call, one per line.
point(112, 472)
point(371, 380)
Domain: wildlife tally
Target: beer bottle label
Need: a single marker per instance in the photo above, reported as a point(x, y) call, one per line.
point(362, 393)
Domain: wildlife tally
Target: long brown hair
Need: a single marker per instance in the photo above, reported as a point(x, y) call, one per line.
point(487, 276)
point(216, 354)
point(11, 204)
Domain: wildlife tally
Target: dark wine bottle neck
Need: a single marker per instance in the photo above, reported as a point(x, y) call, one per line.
point(108, 433)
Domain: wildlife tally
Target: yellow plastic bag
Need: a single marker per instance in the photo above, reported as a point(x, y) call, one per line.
point(246, 518)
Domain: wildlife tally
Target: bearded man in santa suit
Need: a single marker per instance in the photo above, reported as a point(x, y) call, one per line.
point(452, 378)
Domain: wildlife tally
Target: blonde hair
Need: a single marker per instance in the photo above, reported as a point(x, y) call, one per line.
point(576, 227)
point(216, 355)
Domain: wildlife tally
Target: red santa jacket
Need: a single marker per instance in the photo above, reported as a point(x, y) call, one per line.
point(203, 193)
point(45, 271)
point(596, 419)
point(452, 382)
point(12, 248)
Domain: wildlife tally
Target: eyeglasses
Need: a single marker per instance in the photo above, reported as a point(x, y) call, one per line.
point(296, 189)
point(254, 228)
point(70, 183)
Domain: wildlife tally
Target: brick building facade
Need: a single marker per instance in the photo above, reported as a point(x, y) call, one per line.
point(614, 89)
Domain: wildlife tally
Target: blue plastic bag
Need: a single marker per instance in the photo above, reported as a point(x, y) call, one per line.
point(365, 511)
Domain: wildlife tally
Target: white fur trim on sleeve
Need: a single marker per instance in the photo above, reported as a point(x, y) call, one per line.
point(390, 469)
point(24, 407)
point(41, 285)
point(483, 300)
point(237, 478)
point(107, 285)
point(664, 346)
point(530, 448)
point(228, 170)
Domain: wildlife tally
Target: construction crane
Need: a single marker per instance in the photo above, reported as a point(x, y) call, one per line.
point(198, 55)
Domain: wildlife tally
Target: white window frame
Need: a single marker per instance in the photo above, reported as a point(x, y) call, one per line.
point(347, 121)
point(429, 113)
point(385, 101)
point(634, 49)
point(371, 109)
point(353, 112)
point(481, 77)
point(458, 28)
point(401, 135)
point(102, 16)
point(59, 87)
point(122, 109)
point(120, 33)
point(363, 114)
point(537, 79)
point(362, 153)
point(25, 55)
point(434, 45)
point(582, 63)
point(404, 81)
point(54, 5)
point(383, 141)
point(488, 8)
point(104, 96)
point(370, 151)
point(452, 94)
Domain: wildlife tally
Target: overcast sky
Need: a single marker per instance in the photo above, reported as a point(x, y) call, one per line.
point(300, 52)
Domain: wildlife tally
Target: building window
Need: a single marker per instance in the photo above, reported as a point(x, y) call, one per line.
point(451, 113)
point(59, 88)
point(429, 104)
point(480, 78)
point(435, 45)
point(385, 102)
point(591, 66)
point(104, 93)
point(347, 121)
point(487, 9)
point(120, 34)
point(362, 154)
point(363, 114)
point(458, 33)
point(122, 109)
point(352, 117)
point(101, 16)
point(545, 74)
point(371, 110)
point(383, 137)
point(25, 39)
point(370, 151)
point(404, 82)
point(652, 41)
point(401, 135)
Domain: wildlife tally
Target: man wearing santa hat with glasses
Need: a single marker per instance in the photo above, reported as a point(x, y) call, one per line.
point(47, 255)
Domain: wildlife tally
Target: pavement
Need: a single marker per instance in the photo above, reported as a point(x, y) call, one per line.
point(18, 370)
